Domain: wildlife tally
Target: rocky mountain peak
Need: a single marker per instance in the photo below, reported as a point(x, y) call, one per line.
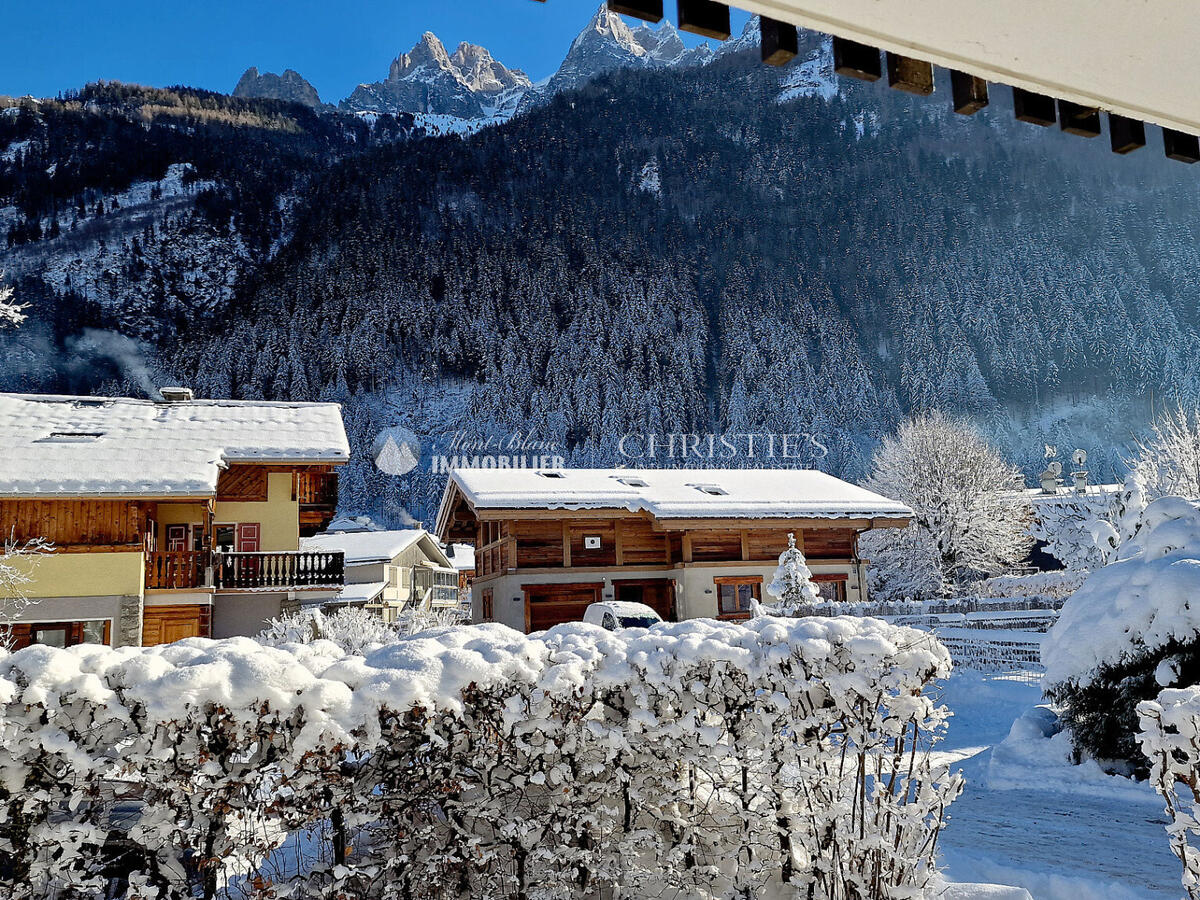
point(290, 86)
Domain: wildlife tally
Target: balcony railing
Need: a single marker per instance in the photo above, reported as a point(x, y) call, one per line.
point(175, 569)
point(279, 571)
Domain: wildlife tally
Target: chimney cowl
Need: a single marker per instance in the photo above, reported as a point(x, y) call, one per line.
point(176, 394)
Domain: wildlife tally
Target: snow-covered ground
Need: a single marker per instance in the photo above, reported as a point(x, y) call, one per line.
point(1030, 819)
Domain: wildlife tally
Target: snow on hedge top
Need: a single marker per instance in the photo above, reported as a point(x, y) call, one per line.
point(342, 693)
point(1141, 602)
point(117, 446)
point(675, 493)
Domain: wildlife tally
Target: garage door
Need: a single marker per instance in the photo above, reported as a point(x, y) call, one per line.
point(547, 605)
point(167, 624)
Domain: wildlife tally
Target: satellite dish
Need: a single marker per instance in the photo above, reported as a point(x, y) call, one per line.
point(1079, 457)
point(1055, 467)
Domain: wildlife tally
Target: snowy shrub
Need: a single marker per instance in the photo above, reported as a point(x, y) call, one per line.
point(785, 757)
point(968, 521)
point(414, 621)
point(354, 630)
point(1079, 530)
point(1170, 738)
point(1130, 630)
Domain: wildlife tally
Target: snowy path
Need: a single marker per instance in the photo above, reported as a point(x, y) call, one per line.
point(1061, 832)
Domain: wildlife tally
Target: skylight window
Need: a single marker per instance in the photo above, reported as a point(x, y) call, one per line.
point(632, 481)
point(551, 474)
point(713, 490)
point(72, 437)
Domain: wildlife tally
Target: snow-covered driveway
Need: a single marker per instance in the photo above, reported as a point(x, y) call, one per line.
point(1061, 832)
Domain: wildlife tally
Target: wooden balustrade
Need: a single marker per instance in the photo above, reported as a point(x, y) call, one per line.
point(280, 571)
point(175, 569)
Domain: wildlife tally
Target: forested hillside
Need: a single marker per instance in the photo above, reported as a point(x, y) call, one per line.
point(679, 250)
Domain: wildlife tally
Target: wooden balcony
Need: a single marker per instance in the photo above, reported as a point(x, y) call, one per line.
point(176, 570)
point(279, 571)
point(317, 494)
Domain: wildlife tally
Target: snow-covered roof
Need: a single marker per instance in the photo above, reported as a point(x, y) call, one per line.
point(374, 546)
point(461, 556)
point(122, 447)
point(362, 592)
point(672, 493)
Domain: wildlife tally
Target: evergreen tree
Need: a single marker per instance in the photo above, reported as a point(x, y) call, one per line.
point(792, 587)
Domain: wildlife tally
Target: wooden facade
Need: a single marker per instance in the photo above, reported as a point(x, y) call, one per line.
point(558, 541)
point(76, 524)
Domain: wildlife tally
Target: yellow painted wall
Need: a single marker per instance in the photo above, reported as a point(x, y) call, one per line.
point(279, 516)
point(178, 514)
point(87, 575)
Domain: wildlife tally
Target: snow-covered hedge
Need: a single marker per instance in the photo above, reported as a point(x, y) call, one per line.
point(1130, 630)
point(710, 759)
point(1170, 736)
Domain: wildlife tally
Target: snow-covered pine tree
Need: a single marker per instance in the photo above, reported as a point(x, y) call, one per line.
point(792, 586)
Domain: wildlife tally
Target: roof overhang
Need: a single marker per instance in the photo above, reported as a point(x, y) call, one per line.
point(1135, 59)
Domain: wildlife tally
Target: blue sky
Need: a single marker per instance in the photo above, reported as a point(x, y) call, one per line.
point(54, 45)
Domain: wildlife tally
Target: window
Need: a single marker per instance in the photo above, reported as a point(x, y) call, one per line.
point(832, 588)
point(631, 481)
point(552, 474)
point(735, 593)
point(72, 437)
point(713, 490)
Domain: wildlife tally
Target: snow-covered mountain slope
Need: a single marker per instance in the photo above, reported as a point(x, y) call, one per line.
point(427, 79)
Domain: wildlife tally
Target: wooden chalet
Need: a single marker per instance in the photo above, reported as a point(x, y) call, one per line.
point(690, 543)
point(168, 519)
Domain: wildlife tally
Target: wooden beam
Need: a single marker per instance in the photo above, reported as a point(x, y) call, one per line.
point(1036, 109)
point(1180, 146)
point(780, 41)
point(1080, 120)
point(909, 75)
point(646, 10)
point(856, 60)
point(618, 545)
point(707, 18)
point(1126, 134)
point(686, 544)
point(745, 546)
point(970, 93)
point(566, 542)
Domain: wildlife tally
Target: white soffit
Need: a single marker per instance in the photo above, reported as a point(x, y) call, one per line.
point(1136, 58)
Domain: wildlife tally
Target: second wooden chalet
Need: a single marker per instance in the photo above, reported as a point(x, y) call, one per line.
point(691, 543)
